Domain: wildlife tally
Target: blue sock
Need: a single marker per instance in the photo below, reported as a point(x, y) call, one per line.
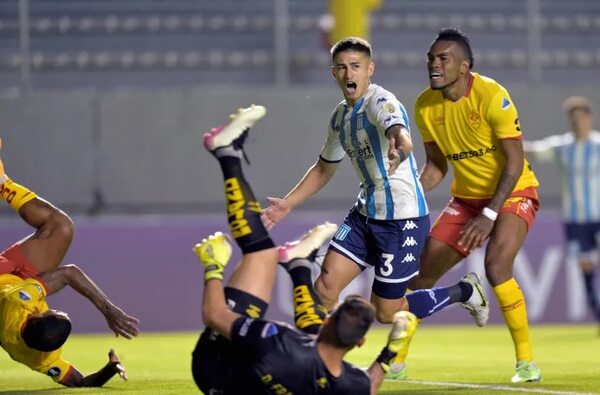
point(425, 302)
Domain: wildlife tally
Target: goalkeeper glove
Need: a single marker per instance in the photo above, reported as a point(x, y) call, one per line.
point(403, 328)
point(214, 254)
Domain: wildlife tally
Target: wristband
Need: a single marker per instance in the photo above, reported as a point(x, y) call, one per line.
point(489, 213)
point(385, 358)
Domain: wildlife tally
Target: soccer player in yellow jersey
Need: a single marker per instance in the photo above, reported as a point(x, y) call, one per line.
point(470, 121)
point(30, 332)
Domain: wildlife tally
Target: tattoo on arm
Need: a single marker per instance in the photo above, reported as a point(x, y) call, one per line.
point(503, 190)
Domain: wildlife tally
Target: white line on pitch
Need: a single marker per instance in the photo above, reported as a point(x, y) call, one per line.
point(496, 387)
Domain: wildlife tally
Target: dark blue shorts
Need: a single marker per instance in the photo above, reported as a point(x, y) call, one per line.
point(582, 238)
point(392, 248)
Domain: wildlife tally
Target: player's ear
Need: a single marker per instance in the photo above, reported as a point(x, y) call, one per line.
point(464, 67)
point(371, 68)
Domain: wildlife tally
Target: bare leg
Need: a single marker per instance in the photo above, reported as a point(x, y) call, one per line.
point(47, 247)
point(336, 274)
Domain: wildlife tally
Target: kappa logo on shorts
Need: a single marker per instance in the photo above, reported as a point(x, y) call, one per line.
point(410, 225)
point(342, 232)
point(408, 258)
point(409, 242)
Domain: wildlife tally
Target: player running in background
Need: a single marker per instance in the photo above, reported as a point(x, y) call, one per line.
point(577, 154)
point(30, 332)
point(470, 121)
point(387, 227)
point(270, 357)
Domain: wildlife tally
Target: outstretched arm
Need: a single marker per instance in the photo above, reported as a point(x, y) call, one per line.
point(99, 378)
point(120, 323)
point(214, 253)
point(400, 146)
point(315, 178)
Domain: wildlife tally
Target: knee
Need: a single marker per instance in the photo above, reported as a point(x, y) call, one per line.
point(497, 271)
point(62, 225)
point(386, 315)
point(325, 290)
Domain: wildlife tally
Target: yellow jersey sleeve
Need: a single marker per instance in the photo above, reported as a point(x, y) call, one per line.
point(502, 116)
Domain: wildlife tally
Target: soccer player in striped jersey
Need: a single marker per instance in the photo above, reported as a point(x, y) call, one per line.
point(577, 153)
point(387, 227)
point(471, 122)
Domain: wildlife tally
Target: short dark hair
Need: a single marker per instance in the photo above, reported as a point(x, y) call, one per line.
point(351, 43)
point(351, 320)
point(455, 35)
point(46, 333)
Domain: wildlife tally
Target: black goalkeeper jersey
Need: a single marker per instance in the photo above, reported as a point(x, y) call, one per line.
point(282, 360)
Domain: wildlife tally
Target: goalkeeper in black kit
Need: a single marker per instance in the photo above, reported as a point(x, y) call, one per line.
point(242, 353)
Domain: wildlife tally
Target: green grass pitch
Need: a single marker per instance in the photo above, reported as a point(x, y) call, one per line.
point(443, 359)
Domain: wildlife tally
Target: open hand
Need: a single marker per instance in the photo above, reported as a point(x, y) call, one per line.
point(475, 232)
point(121, 323)
point(277, 210)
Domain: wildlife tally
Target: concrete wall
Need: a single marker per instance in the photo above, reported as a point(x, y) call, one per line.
point(142, 149)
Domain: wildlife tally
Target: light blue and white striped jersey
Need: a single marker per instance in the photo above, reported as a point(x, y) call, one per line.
point(579, 163)
point(359, 132)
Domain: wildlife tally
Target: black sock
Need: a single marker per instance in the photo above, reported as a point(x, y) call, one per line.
point(245, 304)
point(243, 211)
point(308, 311)
point(460, 292)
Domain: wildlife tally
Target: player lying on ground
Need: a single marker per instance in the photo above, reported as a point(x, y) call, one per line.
point(30, 332)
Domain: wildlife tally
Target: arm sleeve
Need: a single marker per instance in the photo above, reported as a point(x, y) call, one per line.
point(58, 370)
point(256, 337)
point(386, 111)
point(332, 151)
point(544, 150)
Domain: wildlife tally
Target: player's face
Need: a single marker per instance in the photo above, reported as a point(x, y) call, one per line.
point(446, 64)
point(582, 121)
point(352, 70)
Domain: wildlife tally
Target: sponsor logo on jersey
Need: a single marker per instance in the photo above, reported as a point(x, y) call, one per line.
point(408, 258)
point(410, 225)
point(505, 103)
point(342, 232)
point(471, 153)
point(389, 107)
point(390, 118)
point(24, 296)
point(439, 120)
point(362, 152)
point(409, 242)
point(54, 371)
point(381, 100)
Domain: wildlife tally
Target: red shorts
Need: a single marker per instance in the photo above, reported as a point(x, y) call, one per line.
point(459, 211)
point(12, 261)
